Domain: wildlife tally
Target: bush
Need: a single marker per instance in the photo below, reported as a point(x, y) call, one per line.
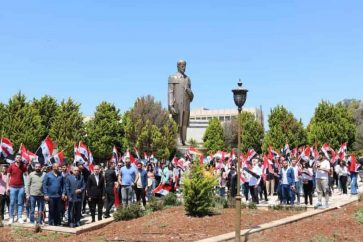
point(155, 204)
point(171, 199)
point(130, 212)
point(198, 190)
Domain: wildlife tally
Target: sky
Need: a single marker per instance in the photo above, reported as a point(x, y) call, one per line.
point(290, 53)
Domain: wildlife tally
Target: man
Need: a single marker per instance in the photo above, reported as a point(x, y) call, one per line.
point(287, 181)
point(297, 172)
point(15, 183)
point(64, 210)
point(74, 188)
point(85, 173)
point(180, 96)
point(4, 199)
point(255, 180)
point(53, 190)
point(141, 184)
point(128, 175)
point(96, 192)
point(111, 182)
point(322, 168)
point(34, 192)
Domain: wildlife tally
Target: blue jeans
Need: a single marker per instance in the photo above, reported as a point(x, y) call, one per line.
point(222, 192)
point(16, 197)
point(126, 192)
point(285, 192)
point(354, 185)
point(296, 193)
point(39, 202)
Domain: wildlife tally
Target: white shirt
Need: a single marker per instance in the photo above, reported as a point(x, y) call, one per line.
point(284, 176)
point(296, 173)
point(325, 164)
point(253, 180)
point(97, 177)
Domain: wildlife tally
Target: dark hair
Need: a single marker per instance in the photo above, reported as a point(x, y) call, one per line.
point(151, 167)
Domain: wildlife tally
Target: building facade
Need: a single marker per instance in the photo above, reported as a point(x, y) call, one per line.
point(200, 117)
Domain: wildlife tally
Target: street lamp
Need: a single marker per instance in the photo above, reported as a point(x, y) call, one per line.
point(239, 97)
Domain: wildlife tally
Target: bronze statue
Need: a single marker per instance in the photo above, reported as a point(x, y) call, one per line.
point(179, 99)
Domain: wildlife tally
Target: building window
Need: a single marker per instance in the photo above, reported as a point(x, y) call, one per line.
point(203, 118)
point(227, 118)
point(221, 118)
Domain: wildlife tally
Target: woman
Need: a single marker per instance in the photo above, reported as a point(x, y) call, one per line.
point(222, 182)
point(307, 179)
point(4, 198)
point(150, 181)
point(342, 172)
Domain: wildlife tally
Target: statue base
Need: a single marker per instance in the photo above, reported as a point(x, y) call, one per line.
point(181, 150)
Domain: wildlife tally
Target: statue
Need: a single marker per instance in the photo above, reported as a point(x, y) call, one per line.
point(180, 96)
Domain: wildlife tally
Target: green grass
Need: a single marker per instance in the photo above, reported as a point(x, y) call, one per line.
point(321, 238)
point(20, 233)
point(359, 216)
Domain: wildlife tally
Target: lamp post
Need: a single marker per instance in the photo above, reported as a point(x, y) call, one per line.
point(239, 97)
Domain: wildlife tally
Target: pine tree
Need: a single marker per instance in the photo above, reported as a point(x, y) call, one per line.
point(213, 136)
point(198, 190)
point(332, 124)
point(283, 127)
point(67, 127)
point(47, 107)
point(148, 127)
point(22, 123)
point(104, 131)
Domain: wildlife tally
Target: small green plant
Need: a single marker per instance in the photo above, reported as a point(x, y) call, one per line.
point(360, 197)
point(221, 202)
point(359, 215)
point(252, 206)
point(155, 204)
point(198, 190)
point(277, 207)
point(130, 212)
point(321, 238)
point(243, 205)
point(171, 199)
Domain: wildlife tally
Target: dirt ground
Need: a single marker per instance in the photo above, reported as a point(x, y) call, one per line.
point(337, 225)
point(171, 224)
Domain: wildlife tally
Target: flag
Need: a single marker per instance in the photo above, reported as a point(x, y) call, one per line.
point(45, 151)
point(115, 157)
point(6, 147)
point(266, 165)
point(78, 156)
point(59, 158)
point(162, 189)
point(325, 148)
point(26, 155)
point(286, 149)
point(305, 154)
point(137, 153)
point(250, 154)
point(354, 166)
point(117, 197)
point(83, 150)
point(342, 151)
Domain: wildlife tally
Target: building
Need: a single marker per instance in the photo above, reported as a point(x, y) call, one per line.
point(199, 119)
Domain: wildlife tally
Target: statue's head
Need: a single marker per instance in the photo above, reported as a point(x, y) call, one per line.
point(181, 66)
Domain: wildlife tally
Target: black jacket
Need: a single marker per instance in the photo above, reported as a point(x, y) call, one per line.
point(94, 190)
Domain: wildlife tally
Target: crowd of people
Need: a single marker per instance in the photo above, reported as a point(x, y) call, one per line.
point(292, 181)
point(61, 193)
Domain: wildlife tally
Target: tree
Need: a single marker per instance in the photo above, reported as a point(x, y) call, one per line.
point(331, 124)
point(213, 136)
point(148, 127)
point(356, 108)
point(104, 131)
point(283, 127)
point(22, 123)
point(67, 127)
point(198, 190)
point(47, 107)
point(251, 133)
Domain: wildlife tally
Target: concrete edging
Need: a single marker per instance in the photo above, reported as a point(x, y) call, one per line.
point(291, 219)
